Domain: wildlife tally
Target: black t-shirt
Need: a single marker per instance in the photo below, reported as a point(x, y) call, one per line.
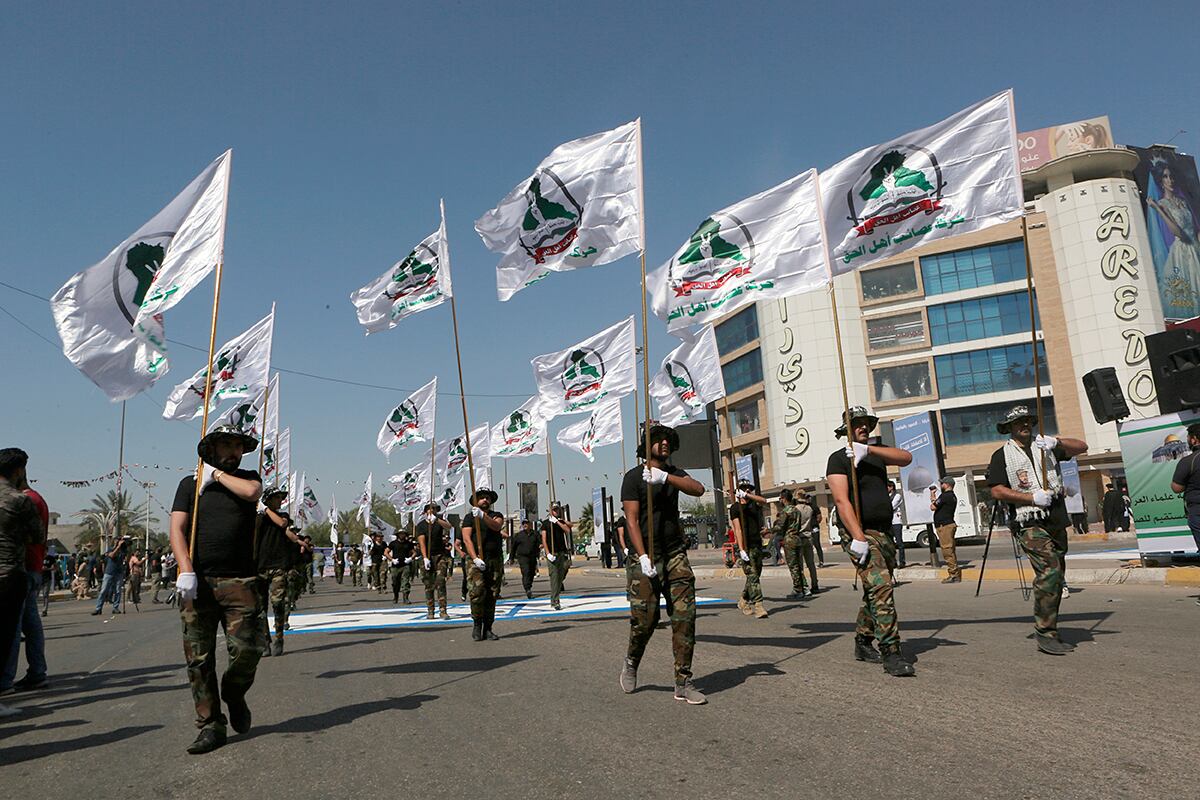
point(556, 537)
point(1187, 475)
point(437, 544)
point(493, 541)
point(526, 543)
point(997, 475)
point(876, 506)
point(224, 527)
point(274, 547)
point(620, 533)
point(668, 536)
point(301, 556)
point(751, 518)
point(377, 553)
point(339, 556)
point(944, 508)
point(402, 547)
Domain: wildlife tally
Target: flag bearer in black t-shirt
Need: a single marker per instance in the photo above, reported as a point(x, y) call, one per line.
point(274, 544)
point(556, 532)
point(670, 576)
point(746, 518)
point(401, 553)
point(864, 533)
point(1040, 520)
point(218, 588)
point(433, 543)
point(485, 559)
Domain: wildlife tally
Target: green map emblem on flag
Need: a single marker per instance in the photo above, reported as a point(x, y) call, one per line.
point(414, 281)
point(458, 455)
point(142, 261)
point(551, 220)
point(404, 422)
point(901, 184)
point(520, 436)
point(720, 250)
point(684, 386)
point(582, 378)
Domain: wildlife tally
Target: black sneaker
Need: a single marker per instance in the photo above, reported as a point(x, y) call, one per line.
point(864, 650)
point(239, 714)
point(208, 740)
point(490, 635)
point(28, 684)
point(896, 665)
point(1052, 645)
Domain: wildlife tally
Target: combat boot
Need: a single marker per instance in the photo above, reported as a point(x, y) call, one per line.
point(239, 714)
point(476, 632)
point(445, 614)
point(628, 676)
point(759, 611)
point(277, 647)
point(896, 665)
point(406, 599)
point(429, 614)
point(1052, 645)
point(745, 606)
point(864, 650)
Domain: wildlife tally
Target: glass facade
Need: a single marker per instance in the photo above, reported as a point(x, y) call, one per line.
point(896, 331)
point(743, 371)
point(884, 282)
point(994, 369)
point(738, 330)
point(981, 318)
point(977, 424)
point(743, 418)
point(977, 266)
point(901, 382)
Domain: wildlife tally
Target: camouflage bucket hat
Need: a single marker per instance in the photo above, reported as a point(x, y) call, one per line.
point(857, 412)
point(1015, 413)
point(269, 493)
point(204, 448)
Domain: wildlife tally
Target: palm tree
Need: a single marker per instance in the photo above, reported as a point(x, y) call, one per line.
point(584, 527)
point(101, 519)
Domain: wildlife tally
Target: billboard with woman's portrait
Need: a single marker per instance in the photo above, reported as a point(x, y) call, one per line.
point(1171, 201)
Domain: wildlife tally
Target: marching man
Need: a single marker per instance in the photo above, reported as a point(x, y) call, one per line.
point(555, 531)
point(485, 556)
point(433, 540)
point(745, 514)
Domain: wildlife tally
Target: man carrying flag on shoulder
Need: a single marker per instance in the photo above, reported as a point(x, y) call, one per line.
point(555, 531)
point(433, 540)
point(485, 551)
point(274, 543)
point(670, 575)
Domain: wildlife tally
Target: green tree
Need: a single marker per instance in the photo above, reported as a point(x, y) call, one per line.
point(380, 507)
point(700, 509)
point(101, 519)
point(350, 527)
point(585, 529)
point(319, 531)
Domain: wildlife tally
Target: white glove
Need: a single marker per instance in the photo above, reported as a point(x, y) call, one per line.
point(551, 557)
point(1042, 498)
point(430, 518)
point(744, 556)
point(627, 552)
point(740, 494)
point(654, 476)
point(553, 519)
point(647, 568)
point(1046, 443)
point(428, 565)
point(479, 563)
point(407, 561)
point(477, 512)
point(186, 585)
point(207, 476)
point(860, 548)
point(856, 451)
point(395, 562)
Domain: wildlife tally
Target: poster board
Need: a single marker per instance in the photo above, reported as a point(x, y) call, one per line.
point(1150, 450)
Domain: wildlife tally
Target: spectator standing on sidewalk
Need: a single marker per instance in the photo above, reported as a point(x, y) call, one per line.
point(943, 509)
point(114, 576)
point(897, 531)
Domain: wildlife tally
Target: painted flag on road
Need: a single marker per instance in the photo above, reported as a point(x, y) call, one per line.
point(240, 370)
point(576, 380)
point(411, 421)
point(420, 281)
point(767, 246)
point(956, 176)
point(689, 379)
point(602, 426)
point(521, 433)
point(581, 207)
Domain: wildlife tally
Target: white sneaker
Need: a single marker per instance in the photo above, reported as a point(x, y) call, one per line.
point(1066, 592)
point(8, 711)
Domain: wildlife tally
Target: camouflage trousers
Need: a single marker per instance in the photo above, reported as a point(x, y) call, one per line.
point(232, 604)
point(1047, 551)
point(752, 591)
point(482, 587)
point(274, 584)
point(557, 570)
point(798, 552)
point(633, 572)
point(677, 584)
point(295, 585)
point(877, 616)
point(402, 578)
point(355, 576)
point(377, 577)
point(435, 581)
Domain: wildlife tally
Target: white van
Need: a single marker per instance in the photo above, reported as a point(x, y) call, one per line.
point(964, 515)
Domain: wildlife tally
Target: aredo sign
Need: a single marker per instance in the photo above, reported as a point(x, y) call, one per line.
point(1120, 264)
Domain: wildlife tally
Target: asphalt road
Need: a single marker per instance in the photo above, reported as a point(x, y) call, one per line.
point(426, 712)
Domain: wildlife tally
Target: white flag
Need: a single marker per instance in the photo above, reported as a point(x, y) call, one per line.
point(283, 452)
point(767, 246)
point(451, 458)
point(413, 488)
point(581, 207)
point(364, 502)
point(195, 250)
point(378, 526)
point(333, 516)
point(241, 367)
point(602, 426)
point(690, 378)
point(246, 416)
point(310, 510)
point(521, 433)
point(956, 176)
point(453, 495)
point(294, 493)
point(420, 281)
point(95, 310)
point(411, 421)
point(271, 434)
point(575, 380)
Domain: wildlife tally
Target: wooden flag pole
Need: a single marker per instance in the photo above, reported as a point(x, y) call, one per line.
point(620, 403)
point(731, 473)
point(837, 335)
point(433, 452)
point(648, 531)
point(120, 471)
point(466, 425)
point(1037, 370)
point(549, 497)
point(212, 346)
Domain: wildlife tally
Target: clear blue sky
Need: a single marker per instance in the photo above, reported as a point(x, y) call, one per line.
point(348, 123)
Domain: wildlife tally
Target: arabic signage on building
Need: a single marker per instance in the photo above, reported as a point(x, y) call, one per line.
point(1037, 148)
point(1151, 449)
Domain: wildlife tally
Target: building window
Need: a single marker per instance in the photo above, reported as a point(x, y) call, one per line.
point(969, 269)
point(998, 315)
point(994, 369)
point(740, 329)
point(896, 332)
point(742, 372)
point(743, 418)
point(977, 424)
point(886, 283)
point(902, 382)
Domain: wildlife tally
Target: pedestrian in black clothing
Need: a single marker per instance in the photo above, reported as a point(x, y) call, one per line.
point(526, 545)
